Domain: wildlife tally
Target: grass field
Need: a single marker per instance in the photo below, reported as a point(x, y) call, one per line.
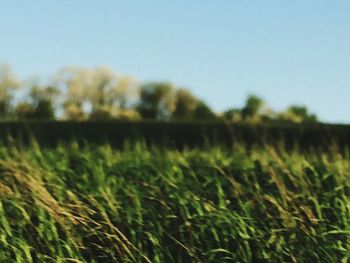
point(94, 203)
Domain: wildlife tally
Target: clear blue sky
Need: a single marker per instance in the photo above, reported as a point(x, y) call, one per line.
point(285, 51)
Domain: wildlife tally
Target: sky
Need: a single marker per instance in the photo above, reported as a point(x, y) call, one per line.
point(287, 52)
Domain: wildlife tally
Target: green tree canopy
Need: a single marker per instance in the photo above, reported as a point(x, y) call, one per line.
point(297, 113)
point(233, 114)
point(185, 104)
point(156, 101)
point(203, 112)
point(8, 85)
point(253, 107)
point(42, 100)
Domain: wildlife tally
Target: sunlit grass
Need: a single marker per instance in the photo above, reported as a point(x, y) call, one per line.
point(93, 203)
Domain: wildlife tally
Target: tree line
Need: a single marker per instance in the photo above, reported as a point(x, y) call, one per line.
point(100, 94)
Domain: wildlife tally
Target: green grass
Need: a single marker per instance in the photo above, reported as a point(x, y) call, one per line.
point(94, 203)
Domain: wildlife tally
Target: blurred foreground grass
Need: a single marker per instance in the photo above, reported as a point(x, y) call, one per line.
point(94, 203)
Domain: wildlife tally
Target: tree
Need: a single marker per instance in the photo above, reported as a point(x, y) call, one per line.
point(128, 114)
point(296, 113)
point(303, 112)
point(102, 112)
point(24, 111)
point(111, 92)
point(8, 84)
point(156, 101)
point(103, 90)
point(74, 83)
point(185, 104)
point(252, 108)
point(203, 112)
point(98, 90)
point(233, 115)
point(42, 100)
point(74, 110)
point(41, 103)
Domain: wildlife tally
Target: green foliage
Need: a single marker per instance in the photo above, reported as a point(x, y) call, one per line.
point(301, 113)
point(203, 112)
point(101, 113)
point(24, 111)
point(252, 107)
point(8, 85)
point(234, 115)
point(5, 108)
point(93, 203)
point(185, 105)
point(128, 115)
point(41, 105)
point(74, 110)
point(101, 94)
point(44, 110)
point(156, 101)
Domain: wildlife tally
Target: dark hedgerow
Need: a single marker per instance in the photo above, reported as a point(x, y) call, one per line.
point(180, 134)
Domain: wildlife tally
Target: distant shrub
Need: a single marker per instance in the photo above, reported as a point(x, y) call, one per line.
point(128, 114)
